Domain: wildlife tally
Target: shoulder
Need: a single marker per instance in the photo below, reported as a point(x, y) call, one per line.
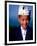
point(30, 31)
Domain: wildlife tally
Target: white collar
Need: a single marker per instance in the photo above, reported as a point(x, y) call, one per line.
point(23, 31)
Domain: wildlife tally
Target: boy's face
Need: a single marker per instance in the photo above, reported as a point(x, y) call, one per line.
point(24, 20)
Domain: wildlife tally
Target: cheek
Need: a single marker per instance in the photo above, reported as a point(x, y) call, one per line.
point(27, 21)
point(21, 22)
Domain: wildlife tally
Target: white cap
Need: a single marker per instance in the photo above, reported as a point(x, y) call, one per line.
point(23, 11)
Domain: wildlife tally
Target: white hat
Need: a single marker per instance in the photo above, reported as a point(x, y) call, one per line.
point(23, 11)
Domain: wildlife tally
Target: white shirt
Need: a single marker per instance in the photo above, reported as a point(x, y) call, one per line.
point(23, 33)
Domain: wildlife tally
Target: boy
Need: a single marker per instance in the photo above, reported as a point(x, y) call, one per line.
point(23, 32)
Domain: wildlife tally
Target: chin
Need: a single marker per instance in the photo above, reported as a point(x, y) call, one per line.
point(24, 27)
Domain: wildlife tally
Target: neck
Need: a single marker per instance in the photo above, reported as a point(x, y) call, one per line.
point(23, 28)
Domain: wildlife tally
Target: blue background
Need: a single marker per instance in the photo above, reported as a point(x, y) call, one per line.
point(13, 15)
